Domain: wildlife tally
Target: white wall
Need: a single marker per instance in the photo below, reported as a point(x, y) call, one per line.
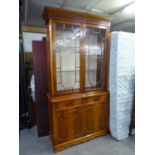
point(28, 37)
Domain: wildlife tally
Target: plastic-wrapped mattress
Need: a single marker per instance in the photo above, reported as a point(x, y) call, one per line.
point(121, 83)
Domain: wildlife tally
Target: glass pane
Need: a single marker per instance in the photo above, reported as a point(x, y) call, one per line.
point(94, 57)
point(67, 57)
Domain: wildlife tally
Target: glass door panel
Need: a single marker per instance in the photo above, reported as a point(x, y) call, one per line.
point(94, 57)
point(67, 41)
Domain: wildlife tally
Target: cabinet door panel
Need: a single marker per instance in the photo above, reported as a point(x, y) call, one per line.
point(94, 57)
point(67, 49)
point(69, 123)
point(96, 117)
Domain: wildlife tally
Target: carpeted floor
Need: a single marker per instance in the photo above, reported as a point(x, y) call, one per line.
point(30, 144)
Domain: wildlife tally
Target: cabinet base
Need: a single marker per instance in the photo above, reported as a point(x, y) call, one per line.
point(64, 145)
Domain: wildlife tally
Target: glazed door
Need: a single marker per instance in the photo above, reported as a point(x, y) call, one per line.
point(69, 124)
point(95, 58)
point(80, 57)
point(67, 48)
point(96, 117)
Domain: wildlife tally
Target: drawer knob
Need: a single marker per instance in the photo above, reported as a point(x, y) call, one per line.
point(96, 98)
point(60, 114)
point(78, 110)
point(70, 103)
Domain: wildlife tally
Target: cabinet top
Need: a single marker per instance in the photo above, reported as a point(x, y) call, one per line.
point(57, 13)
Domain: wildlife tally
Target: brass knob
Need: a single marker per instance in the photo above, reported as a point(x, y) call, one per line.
point(70, 103)
point(96, 98)
point(59, 114)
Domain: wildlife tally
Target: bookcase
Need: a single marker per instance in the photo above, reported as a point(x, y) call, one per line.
point(78, 64)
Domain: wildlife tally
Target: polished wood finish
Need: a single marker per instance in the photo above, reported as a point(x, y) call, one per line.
point(61, 14)
point(67, 104)
point(106, 65)
point(33, 29)
point(69, 122)
point(61, 146)
point(96, 117)
point(79, 115)
point(77, 118)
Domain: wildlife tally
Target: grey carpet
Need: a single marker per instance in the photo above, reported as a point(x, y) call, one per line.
point(30, 144)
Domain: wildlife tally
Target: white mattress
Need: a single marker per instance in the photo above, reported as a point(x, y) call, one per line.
point(121, 83)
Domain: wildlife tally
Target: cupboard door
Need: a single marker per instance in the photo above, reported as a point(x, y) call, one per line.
point(69, 124)
point(96, 117)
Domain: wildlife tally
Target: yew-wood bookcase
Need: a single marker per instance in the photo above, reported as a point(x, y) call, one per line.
point(78, 64)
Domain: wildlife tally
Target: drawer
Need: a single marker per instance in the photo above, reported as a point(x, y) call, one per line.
point(101, 98)
point(69, 103)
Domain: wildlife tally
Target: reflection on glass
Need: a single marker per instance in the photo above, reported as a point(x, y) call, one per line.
point(67, 57)
point(94, 57)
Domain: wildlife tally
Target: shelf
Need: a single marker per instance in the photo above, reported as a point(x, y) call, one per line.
point(66, 47)
point(68, 71)
point(93, 70)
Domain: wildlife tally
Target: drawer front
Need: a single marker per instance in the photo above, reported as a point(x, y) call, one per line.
point(69, 103)
point(101, 98)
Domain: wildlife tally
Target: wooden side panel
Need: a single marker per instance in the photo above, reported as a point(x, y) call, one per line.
point(107, 55)
point(48, 60)
point(96, 117)
point(50, 113)
point(40, 73)
point(70, 124)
